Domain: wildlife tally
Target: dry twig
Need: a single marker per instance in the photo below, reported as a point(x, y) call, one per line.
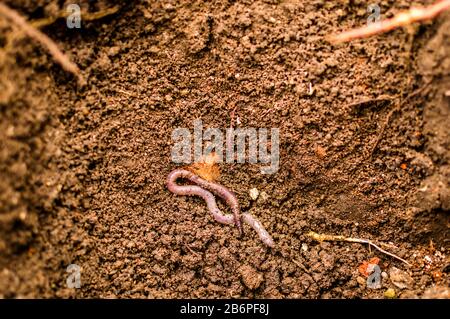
point(324, 237)
point(64, 14)
point(400, 20)
point(43, 39)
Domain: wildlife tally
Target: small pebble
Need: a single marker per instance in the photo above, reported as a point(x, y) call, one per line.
point(304, 247)
point(264, 196)
point(361, 281)
point(254, 193)
point(374, 279)
point(390, 293)
point(384, 275)
point(23, 215)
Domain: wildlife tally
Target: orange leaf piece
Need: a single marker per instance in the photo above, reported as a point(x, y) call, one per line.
point(207, 168)
point(363, 268)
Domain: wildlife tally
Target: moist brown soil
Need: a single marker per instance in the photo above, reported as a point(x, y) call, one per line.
point(364, 153)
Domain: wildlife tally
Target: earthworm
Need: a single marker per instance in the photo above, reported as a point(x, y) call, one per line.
point(206, 190)
point(219, 190)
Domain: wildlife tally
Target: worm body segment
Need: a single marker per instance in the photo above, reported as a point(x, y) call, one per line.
point(205, 190)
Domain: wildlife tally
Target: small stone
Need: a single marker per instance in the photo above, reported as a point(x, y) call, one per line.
point(304, 247)
point(254, 193)
point(400, 278)
point(390, 293)
point(264, 196)
point(361, 281)
point(384, 275)
point(23, 215)
point(374, 280)
point(250, 277)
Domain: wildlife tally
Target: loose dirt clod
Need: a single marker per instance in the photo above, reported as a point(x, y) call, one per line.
point(250, 277)
point(400, 278)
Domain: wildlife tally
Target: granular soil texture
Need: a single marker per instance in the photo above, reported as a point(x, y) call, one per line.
point(364, 151)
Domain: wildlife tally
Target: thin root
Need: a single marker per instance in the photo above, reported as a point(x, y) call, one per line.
point(86, 17)
point(43, 39)
point(394, 110)
point(325, 237)
point(400, 20)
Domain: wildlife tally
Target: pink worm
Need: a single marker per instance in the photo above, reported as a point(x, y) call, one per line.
point(210, 200)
